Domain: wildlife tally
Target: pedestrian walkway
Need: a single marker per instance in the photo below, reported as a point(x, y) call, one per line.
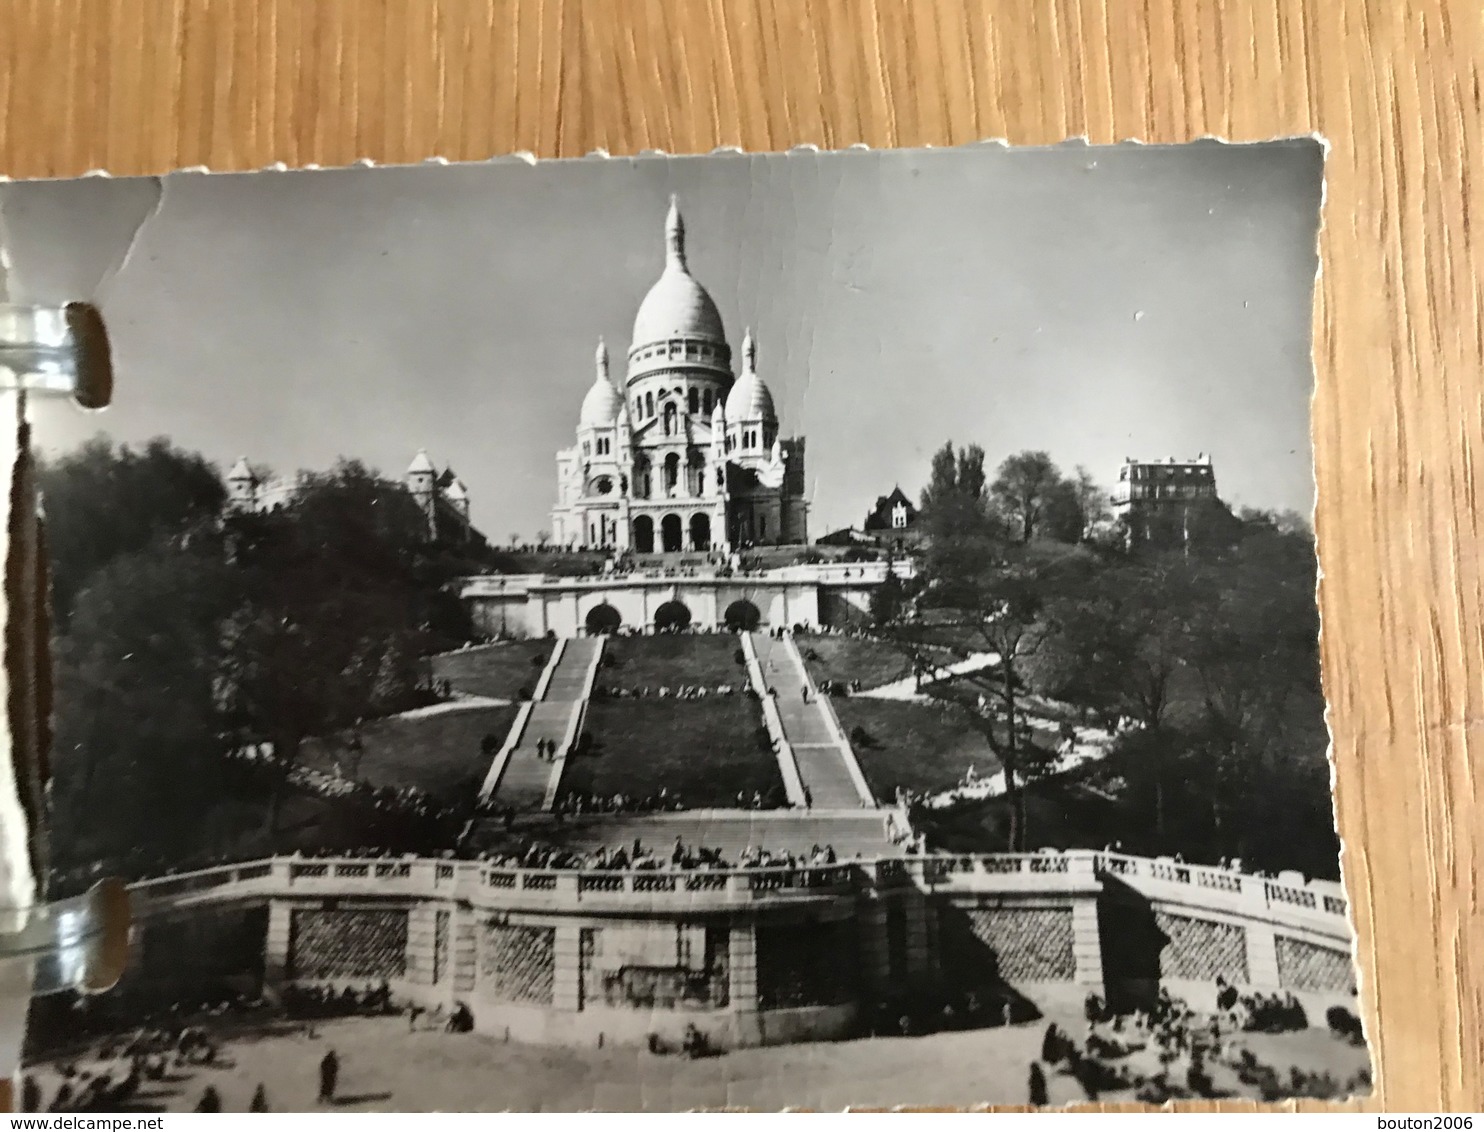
point(867, 833)
point(529, 779)
point(826, 763)
point(910, 689)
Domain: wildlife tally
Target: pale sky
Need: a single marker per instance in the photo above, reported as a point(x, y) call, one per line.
point(1093, 302)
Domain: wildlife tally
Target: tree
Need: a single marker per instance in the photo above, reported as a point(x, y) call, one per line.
point(1092, 497)
point(542, 538)
point(971, 472)
point(103, 501)
point(343, 593)
point(1062, 516)
point(137, 731)
point(1120, 642)
point(1021, 490)
point(998, 599)
point(942, 479)
point(886, 599)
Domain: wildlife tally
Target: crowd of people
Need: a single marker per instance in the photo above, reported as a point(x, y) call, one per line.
point(399, 801)
point(111, 1077)
point(324, 1000)
point(635, 855)
point(1172, 1052)
point(578, 802)
point(1264, 1013)
point(664, 692)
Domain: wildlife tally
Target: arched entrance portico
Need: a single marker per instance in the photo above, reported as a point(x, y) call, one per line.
point(700, 532)
point(603, 619)
point(671, 535)
point(672, 617)
point(644, 535)
point(742, 617)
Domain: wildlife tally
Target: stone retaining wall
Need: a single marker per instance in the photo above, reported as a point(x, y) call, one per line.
point(749, 956)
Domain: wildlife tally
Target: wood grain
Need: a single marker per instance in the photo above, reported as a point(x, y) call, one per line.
point(141, 86)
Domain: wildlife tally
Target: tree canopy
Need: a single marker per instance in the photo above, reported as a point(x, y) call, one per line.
point(1206, 648)
point(186, 632)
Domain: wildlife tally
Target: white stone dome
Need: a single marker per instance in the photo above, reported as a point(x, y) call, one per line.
point(750, 399)
point(677, 306)
point(601, 406)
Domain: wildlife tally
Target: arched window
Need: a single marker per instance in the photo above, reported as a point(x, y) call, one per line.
point(694, 401)
point(670, 418)
point(709, 404)
point(672, 471)
point(649, 404)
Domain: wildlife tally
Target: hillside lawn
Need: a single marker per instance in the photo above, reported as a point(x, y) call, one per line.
point(498, 671)
point(920, 747)
point(702, 751)
point(923, 747)
point(672, 659)
point(438, 753)
point(844, 659)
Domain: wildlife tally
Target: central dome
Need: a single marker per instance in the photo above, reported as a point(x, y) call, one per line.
point(676, 306)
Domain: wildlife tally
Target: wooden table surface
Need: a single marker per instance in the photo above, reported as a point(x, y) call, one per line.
point(145, 86)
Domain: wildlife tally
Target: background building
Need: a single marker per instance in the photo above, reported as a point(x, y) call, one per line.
point(441, 496)
point(1167, 502)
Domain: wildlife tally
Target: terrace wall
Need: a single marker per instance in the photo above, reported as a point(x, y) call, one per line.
point(748, 956)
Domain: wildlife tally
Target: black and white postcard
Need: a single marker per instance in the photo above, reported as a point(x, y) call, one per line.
point(796, 630)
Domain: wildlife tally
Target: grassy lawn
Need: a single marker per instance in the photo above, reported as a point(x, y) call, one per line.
point(921, 747)
point(672, 659)
point(844, 659)
point(704, 751)
point(438, 753)
point(498, 670)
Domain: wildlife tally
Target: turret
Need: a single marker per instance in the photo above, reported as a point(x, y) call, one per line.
point(602, 405)
point(242, 486)
point(750, 413)
point(458, 496)
point(420, 477)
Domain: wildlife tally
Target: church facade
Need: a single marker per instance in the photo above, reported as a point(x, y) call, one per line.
point(682, 456)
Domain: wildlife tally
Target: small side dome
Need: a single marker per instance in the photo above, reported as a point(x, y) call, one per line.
point(750, 399)
point(420, 465)
point(602, 405)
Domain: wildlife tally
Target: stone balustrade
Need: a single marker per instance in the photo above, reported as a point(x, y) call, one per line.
point(1313, 903)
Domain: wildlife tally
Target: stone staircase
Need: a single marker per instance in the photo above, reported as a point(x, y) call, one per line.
point(826, 764)
point(528, 782)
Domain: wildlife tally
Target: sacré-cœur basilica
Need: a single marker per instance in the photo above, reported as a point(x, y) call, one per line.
point(677, 472)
